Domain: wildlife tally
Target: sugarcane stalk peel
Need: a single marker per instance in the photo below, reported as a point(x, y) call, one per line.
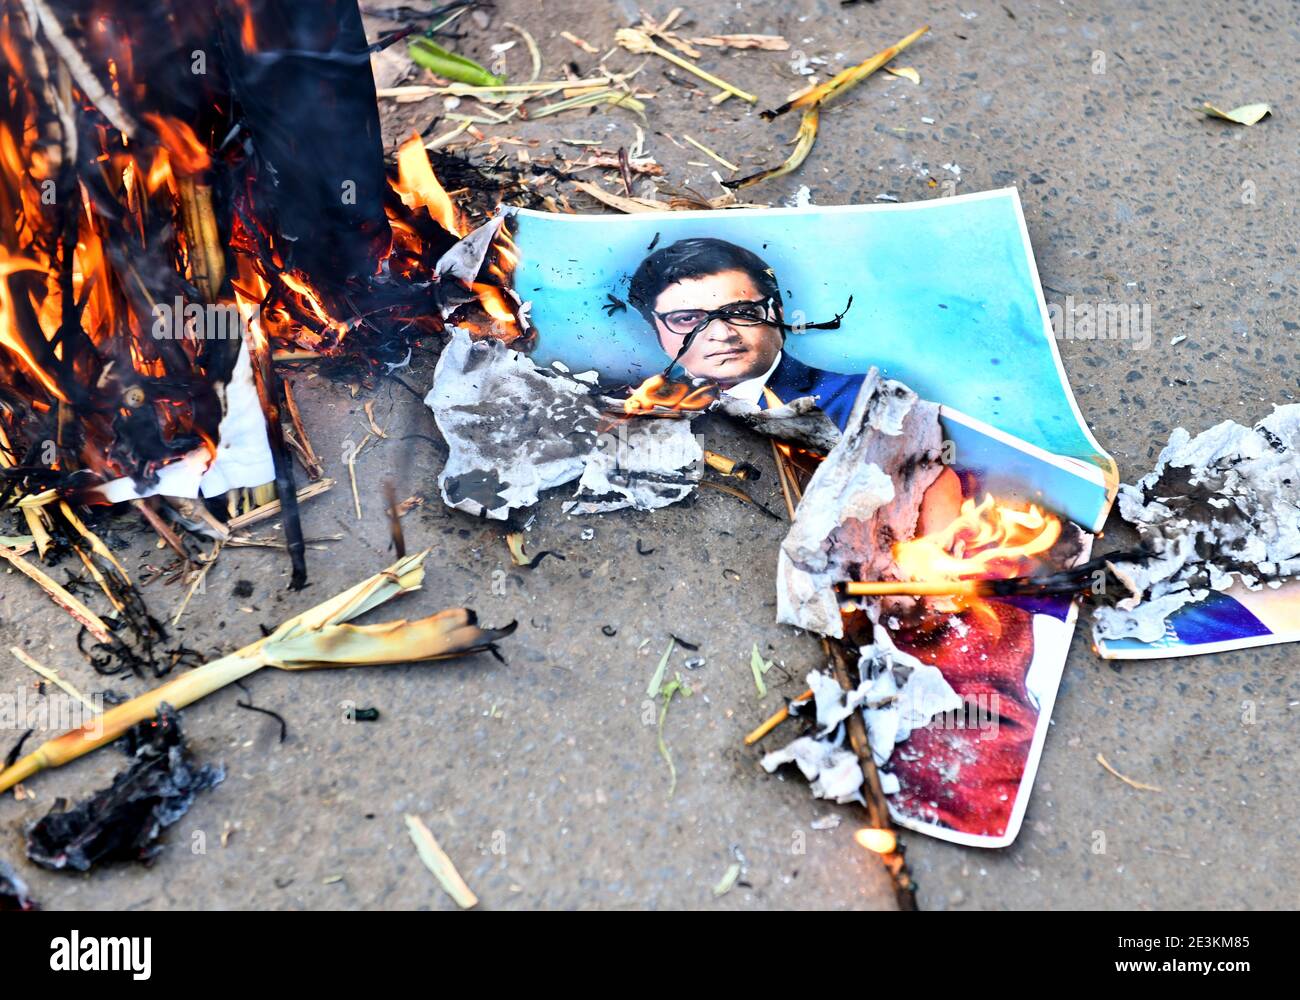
point(315, 638)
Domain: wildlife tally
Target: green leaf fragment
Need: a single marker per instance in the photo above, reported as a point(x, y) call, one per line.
point(759, 667)
point(445, 63)
point(657, 678)
point(728, 880)
point(670, 689)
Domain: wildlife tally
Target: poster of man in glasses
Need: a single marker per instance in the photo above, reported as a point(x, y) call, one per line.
point(778, 305)
point(716, 309)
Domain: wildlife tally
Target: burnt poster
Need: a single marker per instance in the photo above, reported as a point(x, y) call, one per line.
point(952, 446)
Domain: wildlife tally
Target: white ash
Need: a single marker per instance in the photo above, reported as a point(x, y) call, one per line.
point(898, 693)
point(833, 772)
point(799, 422)
point(515, 429)
point(863, 497)
point(1217, 509)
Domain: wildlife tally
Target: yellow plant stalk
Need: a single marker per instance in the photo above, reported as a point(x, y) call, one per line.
point(317, 637)
point(846, 78)
point(642, 44)
point(58, 594)
point(803, 144)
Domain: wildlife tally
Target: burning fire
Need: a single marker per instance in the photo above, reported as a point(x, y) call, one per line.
point(421, 192)
point(418, 187)
point(986, 540)
point(146, 211)
point(659, 396)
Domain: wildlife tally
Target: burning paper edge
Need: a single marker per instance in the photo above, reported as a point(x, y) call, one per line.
point(243, 456)
point(670, 442)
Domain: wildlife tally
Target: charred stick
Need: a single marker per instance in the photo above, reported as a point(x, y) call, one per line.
point(884, 840)
point(160, 526)
point(774, 720)
point(916, 588)
point(787, 488)
point(729, 466)
point(53, 122)
point(268, 390)
point(394, 519)
point(305, 451)
point(625, 170)
point(81, 72)
point(1097, 575)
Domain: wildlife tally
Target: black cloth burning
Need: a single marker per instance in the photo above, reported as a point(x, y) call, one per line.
point(124, 822)
point(1217, 509)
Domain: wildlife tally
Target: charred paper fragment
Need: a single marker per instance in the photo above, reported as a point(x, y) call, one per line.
point(124, 821)
point(458, 269)
point(242, 457)
point(515, 429)
point(1218, 508)
point(863, 497)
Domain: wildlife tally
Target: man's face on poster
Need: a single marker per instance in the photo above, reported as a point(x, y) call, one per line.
point(740, 341)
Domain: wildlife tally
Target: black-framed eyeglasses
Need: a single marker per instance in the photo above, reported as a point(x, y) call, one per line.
point(688, 322)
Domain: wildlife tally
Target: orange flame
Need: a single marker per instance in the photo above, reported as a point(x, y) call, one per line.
point(12, 265)
point(493, 301)
point(987, 540)
point(658, 394)
point(419, 187)
point(188, 156)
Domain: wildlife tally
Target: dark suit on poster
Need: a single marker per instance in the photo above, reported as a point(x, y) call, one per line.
point(835, 392)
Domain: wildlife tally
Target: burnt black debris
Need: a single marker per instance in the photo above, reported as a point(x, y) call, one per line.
point(124, 821)
point(17, 750)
